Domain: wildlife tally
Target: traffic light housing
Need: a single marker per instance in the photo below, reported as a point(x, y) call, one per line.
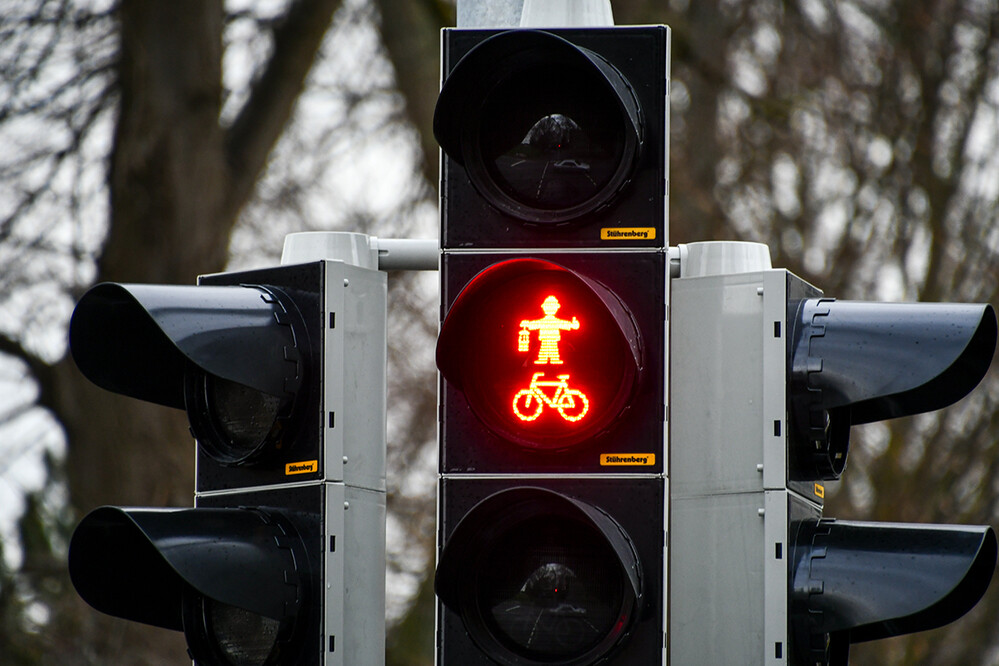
point(240, 582)
point(547, 570)
point(767, 377)
point(551, 542)
point(554, 138)
point(497, 337)
point(282, 374)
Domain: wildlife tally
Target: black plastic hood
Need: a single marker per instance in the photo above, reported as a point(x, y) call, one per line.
point(140, 340)
point(863, 581)
point(885, 360)
point(853, 362)
point(138, 564)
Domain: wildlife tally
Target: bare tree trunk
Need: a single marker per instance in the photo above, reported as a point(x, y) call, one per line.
point(178, 180)
point(411, 34)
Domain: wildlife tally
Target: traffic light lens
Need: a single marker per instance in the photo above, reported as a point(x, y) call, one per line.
point(551, 589)
point(538, 577)
point(547, 131)
point(243, 638)
point(545, 357)
point(554, 152)
point(226, 635)
point(245, 416)
point(550, 368)
point(234, 424)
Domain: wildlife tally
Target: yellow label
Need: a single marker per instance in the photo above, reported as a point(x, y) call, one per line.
point(303, 467)
point(820, 491)
point(643, 459)
point(628, 233)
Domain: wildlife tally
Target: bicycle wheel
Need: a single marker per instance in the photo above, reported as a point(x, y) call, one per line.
point(573, 405)
point(526, 405)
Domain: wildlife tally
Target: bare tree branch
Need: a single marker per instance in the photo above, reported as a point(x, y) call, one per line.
point(265, 115)
point(410, 32)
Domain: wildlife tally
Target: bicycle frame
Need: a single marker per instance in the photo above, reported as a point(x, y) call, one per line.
point(565, 400)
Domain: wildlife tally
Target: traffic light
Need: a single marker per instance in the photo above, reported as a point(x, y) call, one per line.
point(554, 138)
point(282, 374)
point(767, 377)
point(551, 540)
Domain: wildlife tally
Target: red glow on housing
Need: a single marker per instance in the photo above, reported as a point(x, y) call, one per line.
point(544, 356)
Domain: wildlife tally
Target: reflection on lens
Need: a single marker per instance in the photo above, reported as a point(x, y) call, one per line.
point(553, 132)
point(559, 596)
point(552, 142)
point(556, 165)
point(243, 638)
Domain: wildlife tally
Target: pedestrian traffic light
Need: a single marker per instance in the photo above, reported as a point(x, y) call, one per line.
point(552, 346)
point(767, 377)
point(550, 354)
point(282, 374)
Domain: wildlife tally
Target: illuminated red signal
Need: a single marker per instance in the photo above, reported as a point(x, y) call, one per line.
point(545, 356)
point(549, 330)
point(572, 404)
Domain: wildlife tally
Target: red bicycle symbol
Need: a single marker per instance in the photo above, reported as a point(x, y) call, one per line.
point(528, 403)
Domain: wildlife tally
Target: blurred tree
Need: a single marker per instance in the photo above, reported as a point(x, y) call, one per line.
point(138, 85)
point(858, 138)
point(153, 141)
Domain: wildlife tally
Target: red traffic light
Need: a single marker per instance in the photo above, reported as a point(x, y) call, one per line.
point(545, 356)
